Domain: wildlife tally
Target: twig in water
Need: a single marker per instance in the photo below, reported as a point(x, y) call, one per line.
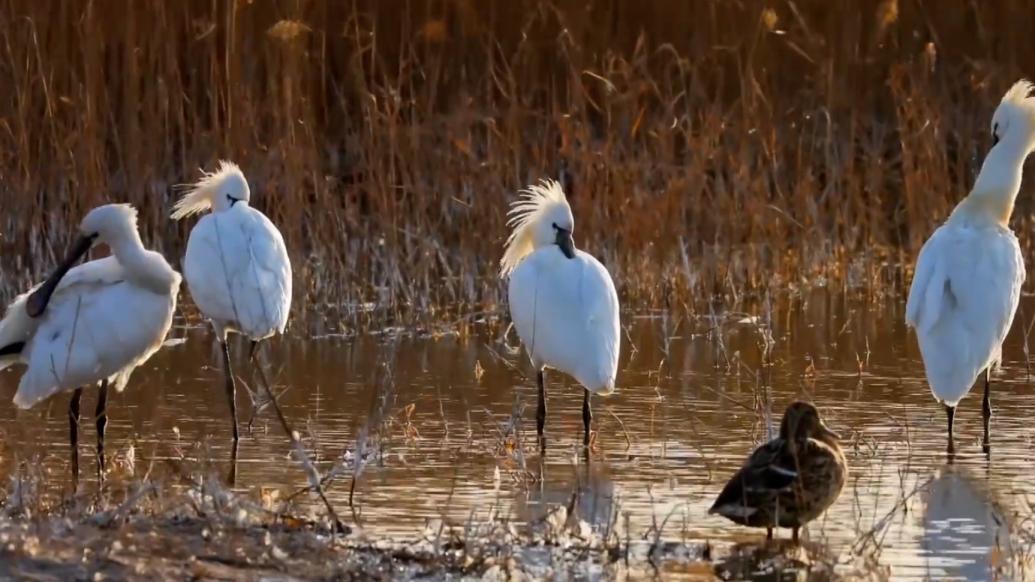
point(871, 535)
point(625, 431)
point(506, 362)
point(1027, 353)
point(259, 402)
point(311, 472)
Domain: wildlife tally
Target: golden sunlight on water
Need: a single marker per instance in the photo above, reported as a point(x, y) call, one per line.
point(694, 398)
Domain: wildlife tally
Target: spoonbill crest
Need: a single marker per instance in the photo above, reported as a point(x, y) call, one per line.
point(562, 300)
point(236, 266)
point(969, 273)
point(90, 324)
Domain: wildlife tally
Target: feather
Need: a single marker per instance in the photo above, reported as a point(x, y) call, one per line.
point(524, 213)
point(1020, 95)
point(201, 195)
point(784, 482)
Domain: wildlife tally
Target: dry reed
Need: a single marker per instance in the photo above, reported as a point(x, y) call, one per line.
point(710, 149)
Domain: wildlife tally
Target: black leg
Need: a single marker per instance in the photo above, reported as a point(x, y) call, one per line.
point(794, 535)
point(73, 434)
point(102, 422)
point(587, 417)
point(231, 388)
point(232, 477)
point(768, 533)
point(986, 413)
point(540, 415)
point(950, 415)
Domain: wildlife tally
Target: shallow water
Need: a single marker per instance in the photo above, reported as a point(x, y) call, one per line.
point(693, 401)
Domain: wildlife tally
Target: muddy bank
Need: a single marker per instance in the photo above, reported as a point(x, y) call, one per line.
point(185, 545)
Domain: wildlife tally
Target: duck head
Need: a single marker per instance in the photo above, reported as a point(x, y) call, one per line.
point(801, 421)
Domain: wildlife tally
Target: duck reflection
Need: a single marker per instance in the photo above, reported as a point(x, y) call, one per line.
point(776, 560)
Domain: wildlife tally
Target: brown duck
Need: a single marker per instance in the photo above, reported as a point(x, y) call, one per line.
point(790, 480)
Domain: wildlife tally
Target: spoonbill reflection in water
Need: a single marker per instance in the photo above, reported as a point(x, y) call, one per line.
point(562, 300)
point(94, 323)
point(969, 273)
point(236, 266)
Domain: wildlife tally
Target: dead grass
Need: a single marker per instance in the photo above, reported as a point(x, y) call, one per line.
point(710, 149)
point(194, 527)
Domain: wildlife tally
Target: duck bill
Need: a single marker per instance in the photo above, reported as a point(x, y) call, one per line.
point(825, 431)
point(566, 243)
point(38, 300)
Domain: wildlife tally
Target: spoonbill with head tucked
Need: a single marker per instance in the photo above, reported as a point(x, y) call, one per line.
point(90, 324)
point(236, 266)
point(969, 273)
point(562, 300)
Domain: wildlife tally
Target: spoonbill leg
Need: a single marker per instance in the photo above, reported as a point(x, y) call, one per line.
point(950, 416)
point(540, 415)
point(102, 422)
point(232, 477)
point(73, 434)
point(986, 413)
point(231, 387)
point(587, 416)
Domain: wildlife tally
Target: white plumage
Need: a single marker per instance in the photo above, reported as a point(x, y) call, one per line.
point(104, 318)
point(566, 314)
point(562, 300)
point(969, 274)
point(962, 301)
point(237, 267)
point(93, 323)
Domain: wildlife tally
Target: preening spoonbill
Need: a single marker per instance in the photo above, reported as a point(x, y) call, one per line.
point(969, 273)
point(790, 480)
point(236, 266)
point(90, 324)
point(562, 300)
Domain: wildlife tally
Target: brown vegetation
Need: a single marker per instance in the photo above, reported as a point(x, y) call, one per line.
point(708, 146)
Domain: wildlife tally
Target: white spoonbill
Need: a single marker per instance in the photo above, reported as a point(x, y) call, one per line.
point(90, 324)
point(969, 273)
point(562, 300)
point(237, 266)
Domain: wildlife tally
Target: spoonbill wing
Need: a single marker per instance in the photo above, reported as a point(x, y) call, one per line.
point(239, 272)
point(602, 326)
point(930, 279)
point(272, 270)
point(962, 302)
point(95, 327)
point(17, 326)
point(566, 313)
